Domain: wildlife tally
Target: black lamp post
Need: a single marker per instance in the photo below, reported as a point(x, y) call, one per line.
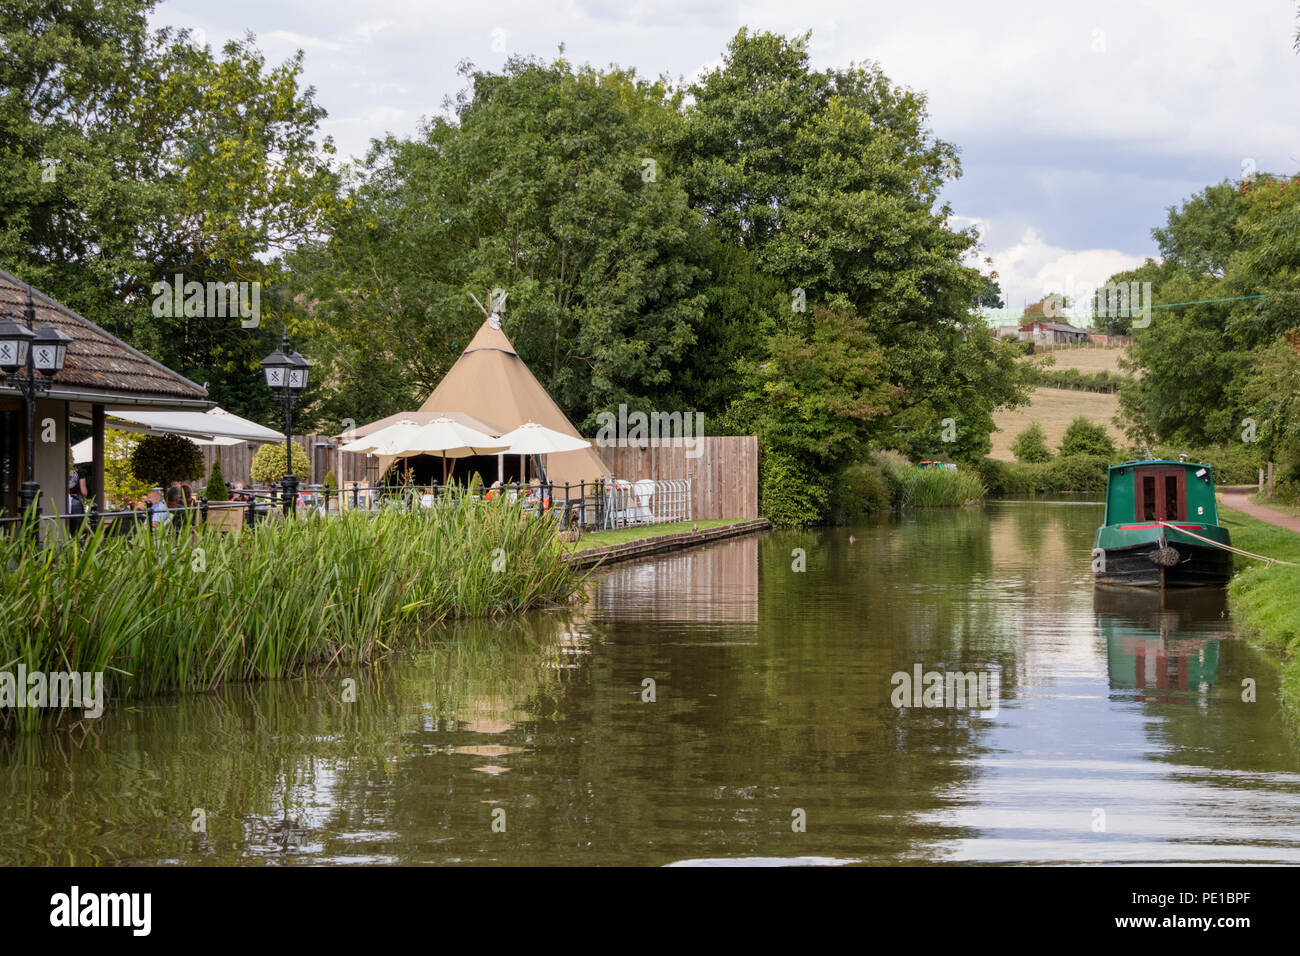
point(286, 375)
point(41, 351)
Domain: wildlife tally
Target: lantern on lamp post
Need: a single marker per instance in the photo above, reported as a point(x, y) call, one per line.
point(286, 376)
point(43, 351)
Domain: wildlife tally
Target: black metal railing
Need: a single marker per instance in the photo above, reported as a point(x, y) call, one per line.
point(605, 503)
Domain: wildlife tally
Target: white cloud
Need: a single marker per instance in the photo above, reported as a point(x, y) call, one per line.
point(367, 30)
point(1085, 147)
point(1031, 267)
point(288, 38)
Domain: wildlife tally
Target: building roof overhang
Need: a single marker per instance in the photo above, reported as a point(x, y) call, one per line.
point(91, 396)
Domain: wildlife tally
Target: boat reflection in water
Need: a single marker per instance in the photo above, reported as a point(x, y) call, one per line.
point(1163, 644)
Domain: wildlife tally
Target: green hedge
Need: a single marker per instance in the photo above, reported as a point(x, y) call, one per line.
point(791, 495)
point(858, 491)
point(1236, 464)
point(1073, 380)
point(1233, 465)
point(1069, 473)
point(1286, 490)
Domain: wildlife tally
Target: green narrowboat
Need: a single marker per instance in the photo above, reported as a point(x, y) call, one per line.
point(1162, 527)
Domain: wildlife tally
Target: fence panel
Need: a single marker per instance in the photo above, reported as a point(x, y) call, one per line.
point(723, 473)
point(237, 461)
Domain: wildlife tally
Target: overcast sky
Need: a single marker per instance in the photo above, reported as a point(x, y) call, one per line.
point(1078, 125)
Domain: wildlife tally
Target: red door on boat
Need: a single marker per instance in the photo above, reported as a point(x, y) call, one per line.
point(1160, 494)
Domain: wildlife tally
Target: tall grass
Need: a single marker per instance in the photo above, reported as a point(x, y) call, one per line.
point(1263, 597)
point(178, 612)
point(913, 487)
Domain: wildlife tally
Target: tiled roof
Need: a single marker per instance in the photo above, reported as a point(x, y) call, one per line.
point(96, 360)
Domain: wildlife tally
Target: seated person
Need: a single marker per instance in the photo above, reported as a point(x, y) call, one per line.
point(153, 506)
point(536, 492)
point(236, 492)
point(176, 498)
point(494, 492)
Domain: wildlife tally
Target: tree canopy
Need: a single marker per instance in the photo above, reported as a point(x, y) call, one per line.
point(1218, 360)
point(765, 245)
point(131, 155)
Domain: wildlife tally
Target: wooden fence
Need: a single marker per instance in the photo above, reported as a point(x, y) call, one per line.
point(724, 475)
point(237, 460)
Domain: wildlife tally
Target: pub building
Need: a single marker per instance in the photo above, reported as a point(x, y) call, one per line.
point(99, 374)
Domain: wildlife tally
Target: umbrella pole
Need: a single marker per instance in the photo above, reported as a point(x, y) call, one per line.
point(444, 467)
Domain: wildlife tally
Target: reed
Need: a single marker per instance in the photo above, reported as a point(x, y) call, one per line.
point(186, 611)
point(933, 487)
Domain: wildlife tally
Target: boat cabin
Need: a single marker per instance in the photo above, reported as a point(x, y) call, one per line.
point(1154, 491)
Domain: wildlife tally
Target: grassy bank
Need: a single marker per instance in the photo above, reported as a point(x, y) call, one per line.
point(1262, 498)
point(1263, 598)
point(604, 539)
point(168, 612)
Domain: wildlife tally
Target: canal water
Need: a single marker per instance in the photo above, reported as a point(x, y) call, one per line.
point(723, 705)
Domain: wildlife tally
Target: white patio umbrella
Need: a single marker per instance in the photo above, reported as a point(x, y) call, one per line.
point(386, 441)
point(83, 451)
point(531, 438)
point(446, 437)
point(204, 426)
point(385, 444)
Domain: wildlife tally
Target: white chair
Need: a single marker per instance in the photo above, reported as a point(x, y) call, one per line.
point(642, 496)
point(617, 500)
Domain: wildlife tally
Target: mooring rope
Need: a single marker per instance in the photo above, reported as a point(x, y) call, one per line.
point(1227, 547)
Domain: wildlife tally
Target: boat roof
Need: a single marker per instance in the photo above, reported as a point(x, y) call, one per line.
point(1161, 461)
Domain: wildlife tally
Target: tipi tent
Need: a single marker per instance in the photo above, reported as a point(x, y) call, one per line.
point(491, 382)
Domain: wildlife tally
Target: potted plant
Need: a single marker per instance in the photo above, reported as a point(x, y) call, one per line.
point(223, 517)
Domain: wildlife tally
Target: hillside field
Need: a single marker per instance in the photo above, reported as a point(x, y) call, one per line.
point(1055, 408)
point(1085, 360)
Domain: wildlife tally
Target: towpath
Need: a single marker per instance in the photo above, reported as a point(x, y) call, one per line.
point(1240, 501)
